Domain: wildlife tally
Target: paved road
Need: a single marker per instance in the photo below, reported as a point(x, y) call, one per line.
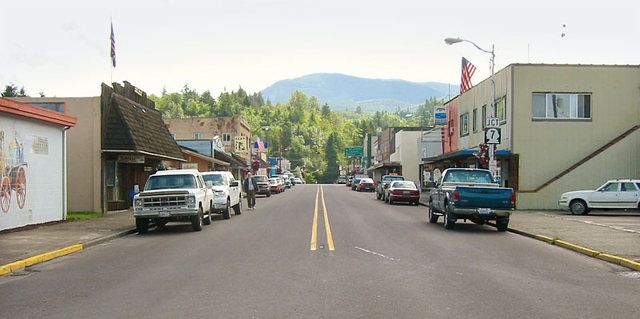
point(388, 262)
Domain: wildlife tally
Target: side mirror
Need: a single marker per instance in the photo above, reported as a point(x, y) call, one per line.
point(209, 184)
point(136, 189)
point(234, 184)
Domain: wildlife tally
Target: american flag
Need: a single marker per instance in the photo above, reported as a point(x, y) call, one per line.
point(467, 72)
point(260, 145)
point(113, 47)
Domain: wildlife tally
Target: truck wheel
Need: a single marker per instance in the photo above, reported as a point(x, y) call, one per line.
point(207, 220)
point(142, 225)
point(502, 223)
point(225, 213)
point(196, 221)
point(578, 207)
point(449, 220)
point(433, 218)
point(237, 208)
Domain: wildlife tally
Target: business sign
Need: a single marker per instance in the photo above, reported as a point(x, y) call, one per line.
point(357, 151)
point(440, 115)
point(241, 144)
point(131, 159)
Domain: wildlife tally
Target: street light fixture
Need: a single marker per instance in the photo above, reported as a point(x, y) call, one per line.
point(494, 111)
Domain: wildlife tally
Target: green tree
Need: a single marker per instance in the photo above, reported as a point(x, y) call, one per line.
point(11, 90)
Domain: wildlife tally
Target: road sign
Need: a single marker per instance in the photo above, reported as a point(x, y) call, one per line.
point(492, 122)
point(492, 135)
point(440, 115)
point(353, 151)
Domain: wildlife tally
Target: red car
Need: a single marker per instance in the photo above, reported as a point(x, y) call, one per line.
point(275, 186)
point(366, 184)
point(402, 191)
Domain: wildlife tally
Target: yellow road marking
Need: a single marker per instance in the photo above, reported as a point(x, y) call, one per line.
point(326, 222)
point(314, 226)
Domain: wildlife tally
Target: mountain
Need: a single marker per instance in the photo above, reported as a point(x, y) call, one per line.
point(342, 91)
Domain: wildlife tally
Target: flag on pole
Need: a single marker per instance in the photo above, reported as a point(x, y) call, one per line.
point(113, 47)
point(467, 72)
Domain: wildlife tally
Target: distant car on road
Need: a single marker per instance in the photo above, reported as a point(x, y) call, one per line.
point(274, 185)
point(341, 180)
point(349, 181)
point(473, 194)
point(402, 191)
point(366, 184)
point(614, 194)
point(383, 183)
point(297, 181)
point(354, 184)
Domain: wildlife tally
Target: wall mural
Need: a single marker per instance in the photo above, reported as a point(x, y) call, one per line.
point(13, 173)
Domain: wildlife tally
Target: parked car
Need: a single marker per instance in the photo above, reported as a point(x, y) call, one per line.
point(297, 180)
point(263, 185)
point(349, 181)
point(174, 195)
point(287, 182)
point(366, 184)
point(383, 183)
point(341, 179)
point(473, 194)
point(614, 194)
point(227, 193)
point(274, 185)
point(281, 183)
point(402, 191)
point(355, 182)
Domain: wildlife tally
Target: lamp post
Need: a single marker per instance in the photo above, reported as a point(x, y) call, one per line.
point(493, 110)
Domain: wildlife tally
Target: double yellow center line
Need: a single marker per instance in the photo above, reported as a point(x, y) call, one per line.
point(314, 228)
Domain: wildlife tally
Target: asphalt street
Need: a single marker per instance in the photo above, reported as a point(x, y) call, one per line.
point(377, 261)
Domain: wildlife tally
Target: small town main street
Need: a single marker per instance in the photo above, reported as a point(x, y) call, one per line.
point(387, 262)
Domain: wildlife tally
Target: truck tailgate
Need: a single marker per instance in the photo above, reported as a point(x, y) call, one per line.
point(484, 197)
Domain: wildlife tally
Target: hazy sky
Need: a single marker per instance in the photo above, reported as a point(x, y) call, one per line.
point(62, 47)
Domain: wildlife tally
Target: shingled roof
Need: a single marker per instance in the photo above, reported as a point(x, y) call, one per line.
point(132, 126)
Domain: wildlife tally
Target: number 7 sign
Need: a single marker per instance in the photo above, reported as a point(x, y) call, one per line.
point(492, 135)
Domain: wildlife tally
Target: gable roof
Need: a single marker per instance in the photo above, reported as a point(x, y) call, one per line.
point(36, 113)
point(131, 126)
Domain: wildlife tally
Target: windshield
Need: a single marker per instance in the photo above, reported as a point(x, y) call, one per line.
point(366, 180)
point(170, 182)
point(260, 178)
point(273, 181)
point(468, 176)
point(216, 179)
point(403, 184)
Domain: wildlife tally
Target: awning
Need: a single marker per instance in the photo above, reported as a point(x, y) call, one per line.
point(200, 156)
point(461, 154)
point(384, 165)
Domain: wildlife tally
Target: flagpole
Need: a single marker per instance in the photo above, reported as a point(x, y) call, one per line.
point(110, 60)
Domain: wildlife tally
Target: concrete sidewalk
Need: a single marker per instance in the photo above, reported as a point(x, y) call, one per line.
point(22, 244)
point(611, 232)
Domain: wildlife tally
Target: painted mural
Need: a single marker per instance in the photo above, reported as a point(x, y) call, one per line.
point(13, 171)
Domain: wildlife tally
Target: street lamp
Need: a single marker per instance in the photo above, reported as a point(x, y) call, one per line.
point(494, 111)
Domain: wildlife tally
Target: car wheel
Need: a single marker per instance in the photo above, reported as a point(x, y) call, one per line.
point(196, 221)
point(207, 220)
point(389, 200)
point(433, 218)
point(237, 208)
point(226, 212)
point(269, 194)
point(449, 220)
point(142, 225)
point(578, 207)
point(502, 223)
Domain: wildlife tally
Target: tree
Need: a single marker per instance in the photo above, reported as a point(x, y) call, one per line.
point(358, 109)
point(326, 110)
point(11, 90)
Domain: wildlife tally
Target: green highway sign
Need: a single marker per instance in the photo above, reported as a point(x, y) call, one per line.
point(353, 151)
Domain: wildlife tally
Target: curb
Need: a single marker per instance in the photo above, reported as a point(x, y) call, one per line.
point(628, 263)
point(23, 263)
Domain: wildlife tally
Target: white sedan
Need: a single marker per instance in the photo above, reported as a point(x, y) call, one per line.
point(614, 194)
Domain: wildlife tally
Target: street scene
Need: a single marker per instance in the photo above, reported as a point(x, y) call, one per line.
point(287, 159)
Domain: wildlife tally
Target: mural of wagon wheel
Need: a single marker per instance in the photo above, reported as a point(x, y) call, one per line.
point(21, 186)
point(5, 193)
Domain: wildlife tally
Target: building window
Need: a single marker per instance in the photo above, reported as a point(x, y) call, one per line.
point(226, 138)
point(484, 116)
point(464, 124)
point(561, 105)
point(475, 120)
point(199, 136)
point(501, 109)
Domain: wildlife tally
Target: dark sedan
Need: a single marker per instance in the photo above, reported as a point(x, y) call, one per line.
point(366, 184)
point(402, 191)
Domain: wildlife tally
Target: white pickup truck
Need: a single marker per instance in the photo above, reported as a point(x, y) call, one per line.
point(174, 195)
point(226, 193)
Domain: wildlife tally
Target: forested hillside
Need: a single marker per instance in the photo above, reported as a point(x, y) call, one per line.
point(302, 130)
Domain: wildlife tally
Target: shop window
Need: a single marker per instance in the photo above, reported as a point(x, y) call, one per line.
point(567, 106)
point(199, 136)
point(464, 124)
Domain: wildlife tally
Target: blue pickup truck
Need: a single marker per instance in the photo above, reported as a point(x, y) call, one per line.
point(473, 194)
